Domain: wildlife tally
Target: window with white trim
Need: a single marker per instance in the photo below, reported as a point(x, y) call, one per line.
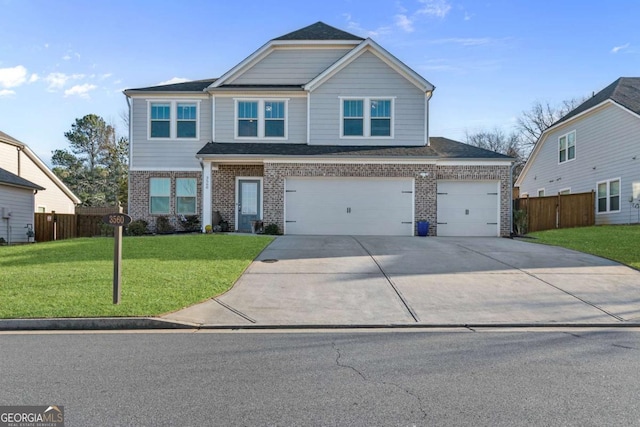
point(159, 195)
point(609, 196)
point(186, 191)
point(564, 191)
point(173, 119)
point(567, 147)
point(261, 118)
point(541, 192)
point(366, 117)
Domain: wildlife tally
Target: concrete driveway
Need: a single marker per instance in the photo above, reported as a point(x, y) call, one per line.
point(344, 280)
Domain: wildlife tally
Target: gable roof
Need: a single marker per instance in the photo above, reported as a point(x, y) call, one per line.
point(439, 148)
point(624, 91)
point(13, 180)
point(319, 31)
point(7, 139)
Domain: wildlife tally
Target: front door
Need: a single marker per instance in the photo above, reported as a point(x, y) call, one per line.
point(248, 203)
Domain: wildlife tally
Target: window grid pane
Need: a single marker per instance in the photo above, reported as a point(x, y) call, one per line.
point(248, 110)
point(160, 186)
point(380, 108)
point(353, 108)
point(186, 187)
point(273, 110)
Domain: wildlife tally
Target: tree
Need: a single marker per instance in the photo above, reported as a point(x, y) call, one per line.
point(96, 166)
point(540, 117)
point(496, 140)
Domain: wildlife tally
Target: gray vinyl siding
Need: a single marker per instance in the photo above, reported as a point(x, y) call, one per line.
point(163, 154)
point(607, 147)
point(18, 202)
point(296, 117)
point(368, 76)
point(299, 66)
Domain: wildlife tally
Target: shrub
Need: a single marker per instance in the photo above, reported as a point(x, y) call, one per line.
point(137, 228)
point(163, 226)
point(272, 229)
point(190, 222)
point(520, 222)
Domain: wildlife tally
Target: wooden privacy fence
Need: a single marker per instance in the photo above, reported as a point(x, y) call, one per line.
point(86, 222)
point(561, 211)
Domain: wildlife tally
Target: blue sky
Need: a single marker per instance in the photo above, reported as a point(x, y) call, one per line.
point(489, 60)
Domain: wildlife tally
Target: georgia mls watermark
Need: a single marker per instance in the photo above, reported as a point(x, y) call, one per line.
point(32, 416)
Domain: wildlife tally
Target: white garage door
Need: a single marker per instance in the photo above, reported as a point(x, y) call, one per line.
point(468, 208)
point(349, 206)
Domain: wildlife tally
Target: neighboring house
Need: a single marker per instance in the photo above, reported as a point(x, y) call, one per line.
point(18, 159)
point(595, 147)
point(17, 203)
point(319, 132)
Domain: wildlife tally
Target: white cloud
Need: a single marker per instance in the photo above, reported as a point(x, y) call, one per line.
point(6, 92)
point(437, 8)
point(80, 90)
point(58, 80)
point(34, 78)
point(404, 22)
point(173, 80)
point(12, 77)
point(619, 48)
point(66, 57)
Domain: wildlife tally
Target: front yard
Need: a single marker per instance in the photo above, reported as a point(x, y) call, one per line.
point(74, 278)
point(617, 242)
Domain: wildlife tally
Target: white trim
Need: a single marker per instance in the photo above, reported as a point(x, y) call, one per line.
point(43, 207)
point(308, 118)
point(238, 159)
point(168, 196)
point(608, 197)
point(565, 189)
point(261, 119)
point(164, 169)
point(352, 161)
point(463, 162)
point(175, 195)
point(370, 46)
point(260, 205)
point(173, 118)
point(566, 137)
point(366, 107)
point(213, 118)
point(538, 192)
point(206, 194)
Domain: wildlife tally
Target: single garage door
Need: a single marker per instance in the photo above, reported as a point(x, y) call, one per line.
point(468, 208)
point(349, 206)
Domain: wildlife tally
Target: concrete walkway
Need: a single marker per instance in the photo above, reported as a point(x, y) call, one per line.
point(359, 281)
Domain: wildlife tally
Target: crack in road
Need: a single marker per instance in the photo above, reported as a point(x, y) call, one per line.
point(385, 383)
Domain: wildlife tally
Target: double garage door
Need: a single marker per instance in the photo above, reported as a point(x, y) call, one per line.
point(385, 206)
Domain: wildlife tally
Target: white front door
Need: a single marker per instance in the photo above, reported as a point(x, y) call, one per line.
point(349, 206)
point(468, 208)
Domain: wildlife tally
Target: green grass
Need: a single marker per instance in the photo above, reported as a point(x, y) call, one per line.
point(617, 242)
point(74, 278)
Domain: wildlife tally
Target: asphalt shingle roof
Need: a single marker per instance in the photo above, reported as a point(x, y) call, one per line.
point(192, 86)
point(624, 91)
point(7, 177)
point(319, 31)
point(439, 148)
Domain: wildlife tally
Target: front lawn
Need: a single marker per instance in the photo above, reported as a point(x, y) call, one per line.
point(74, 278)
point(617, 242)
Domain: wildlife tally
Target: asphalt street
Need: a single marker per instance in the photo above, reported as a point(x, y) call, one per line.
point(404, 378)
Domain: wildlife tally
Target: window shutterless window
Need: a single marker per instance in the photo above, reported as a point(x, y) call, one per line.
point(160, 120)
point(159, 195)
point(261, 118)
point(567, 147)
point(609, 196)
point(187, 120)
point(186, 190)
point(366, 117)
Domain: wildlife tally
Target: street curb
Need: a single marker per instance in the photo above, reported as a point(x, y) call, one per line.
point(150, 323)
point(81, 324)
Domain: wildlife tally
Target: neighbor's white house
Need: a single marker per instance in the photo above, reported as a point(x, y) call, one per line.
point(318, 131)
point(595, 147)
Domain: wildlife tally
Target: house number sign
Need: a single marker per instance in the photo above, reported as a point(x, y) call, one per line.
point(117, 221)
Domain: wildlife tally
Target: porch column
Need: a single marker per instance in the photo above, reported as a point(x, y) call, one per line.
point(206, 193)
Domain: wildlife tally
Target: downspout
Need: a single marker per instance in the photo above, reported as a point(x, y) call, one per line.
point(19, 151)
point(428, 95)
point(513, 166)
point(129, 168)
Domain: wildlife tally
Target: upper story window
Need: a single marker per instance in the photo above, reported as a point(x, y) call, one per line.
point(173, 119)
point(261, 118)
point(567, 147)
point(366, 117)
point(609, 196)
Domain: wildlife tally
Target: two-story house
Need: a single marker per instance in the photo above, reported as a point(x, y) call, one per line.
point(319, 132)
point(595, 147)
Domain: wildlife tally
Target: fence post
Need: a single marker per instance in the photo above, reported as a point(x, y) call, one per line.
point(558, 210)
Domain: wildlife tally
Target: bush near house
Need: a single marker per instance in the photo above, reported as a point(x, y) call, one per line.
point(160, 274)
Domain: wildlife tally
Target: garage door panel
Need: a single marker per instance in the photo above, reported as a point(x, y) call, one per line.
point(467, 208)
point(344, 206)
